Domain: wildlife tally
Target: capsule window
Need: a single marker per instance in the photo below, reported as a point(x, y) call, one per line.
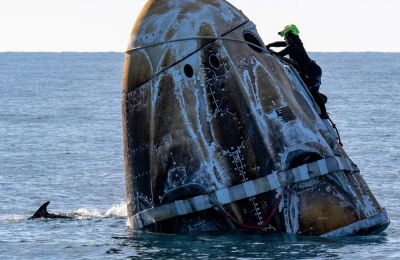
point(214, 61)
point(254, 41)
point(188, 71)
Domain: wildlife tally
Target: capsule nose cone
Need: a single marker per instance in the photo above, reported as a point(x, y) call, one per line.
point(168, 31)
point(165, 20)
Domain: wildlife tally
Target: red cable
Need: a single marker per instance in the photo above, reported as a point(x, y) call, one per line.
point(263, 224)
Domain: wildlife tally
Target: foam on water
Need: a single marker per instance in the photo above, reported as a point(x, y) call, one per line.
point(15, 218)
point(117, 210)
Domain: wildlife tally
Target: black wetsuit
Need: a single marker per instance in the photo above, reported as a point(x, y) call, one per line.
point(309, 71)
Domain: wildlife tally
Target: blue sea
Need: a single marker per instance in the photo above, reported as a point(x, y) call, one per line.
point(61, 140)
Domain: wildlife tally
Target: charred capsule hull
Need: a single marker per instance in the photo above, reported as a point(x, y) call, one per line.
point(218, 133)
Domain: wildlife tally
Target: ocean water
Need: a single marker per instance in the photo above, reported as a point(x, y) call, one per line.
point(60, 140)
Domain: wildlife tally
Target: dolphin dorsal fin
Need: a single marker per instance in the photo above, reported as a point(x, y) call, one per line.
point(42, 211)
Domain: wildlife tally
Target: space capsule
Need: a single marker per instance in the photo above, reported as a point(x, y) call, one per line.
point(220, 134)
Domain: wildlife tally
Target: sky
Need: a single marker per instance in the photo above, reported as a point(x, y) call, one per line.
point(105, 25)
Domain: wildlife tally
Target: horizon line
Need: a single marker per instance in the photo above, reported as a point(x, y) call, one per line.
point(125, 52)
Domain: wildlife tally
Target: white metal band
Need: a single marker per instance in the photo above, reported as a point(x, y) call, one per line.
point(248, 189)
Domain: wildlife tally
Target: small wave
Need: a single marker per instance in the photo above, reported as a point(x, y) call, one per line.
point(86, 213)
point(117, 210)
point(14, 218)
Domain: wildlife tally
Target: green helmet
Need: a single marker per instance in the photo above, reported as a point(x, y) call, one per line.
point(289, 28)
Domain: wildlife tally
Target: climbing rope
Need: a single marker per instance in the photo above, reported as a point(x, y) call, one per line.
point(337, 131)
point(213, 38)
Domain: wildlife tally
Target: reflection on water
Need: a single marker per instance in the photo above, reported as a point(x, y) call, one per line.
point(242, 245)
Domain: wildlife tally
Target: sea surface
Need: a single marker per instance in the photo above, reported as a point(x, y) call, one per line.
point(60, 140)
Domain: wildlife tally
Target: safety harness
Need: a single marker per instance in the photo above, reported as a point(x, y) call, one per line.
point(248, 189)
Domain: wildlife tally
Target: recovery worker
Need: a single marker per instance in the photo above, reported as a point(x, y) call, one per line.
point(309, 70)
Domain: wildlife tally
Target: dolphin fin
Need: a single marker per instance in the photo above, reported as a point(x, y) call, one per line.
point(41, 212)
